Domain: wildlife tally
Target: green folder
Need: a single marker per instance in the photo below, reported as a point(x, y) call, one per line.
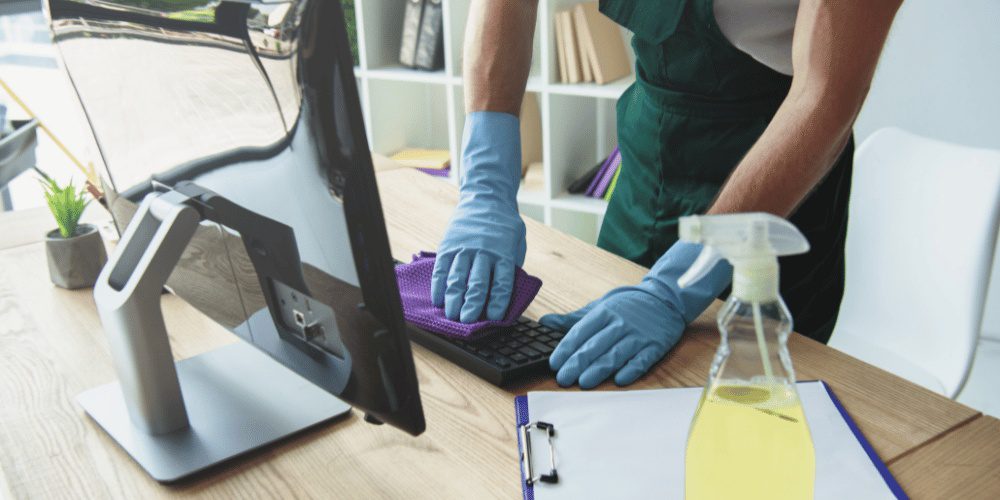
point(614, 182)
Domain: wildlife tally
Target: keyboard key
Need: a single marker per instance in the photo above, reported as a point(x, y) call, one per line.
point(518, 357)
point(557, 335)
point(522, 328)
point(523, 321)
point(502, 361)
point(540, 347)
point(553, 343)
point(506, 351)
point(528, 351)
point(545, 329)
point(543, 338)
point(534, 325)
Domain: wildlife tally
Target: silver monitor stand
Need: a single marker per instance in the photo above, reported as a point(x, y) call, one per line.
point(179, 419)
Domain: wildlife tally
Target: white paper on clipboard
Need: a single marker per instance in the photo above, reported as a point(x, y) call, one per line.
point(630, 444)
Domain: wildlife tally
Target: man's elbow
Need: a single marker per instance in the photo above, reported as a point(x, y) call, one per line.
point(836, 103)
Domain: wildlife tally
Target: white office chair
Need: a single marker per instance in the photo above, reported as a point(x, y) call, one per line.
point(920, 241)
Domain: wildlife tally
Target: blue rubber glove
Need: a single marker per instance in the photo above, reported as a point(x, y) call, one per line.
point(485, 238)
point(631, 328)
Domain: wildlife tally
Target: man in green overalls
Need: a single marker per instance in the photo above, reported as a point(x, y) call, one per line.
point(737, 107)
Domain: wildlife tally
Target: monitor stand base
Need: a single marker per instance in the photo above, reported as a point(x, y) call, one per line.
point(237, 399)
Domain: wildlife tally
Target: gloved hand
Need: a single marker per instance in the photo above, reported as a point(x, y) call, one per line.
point(631, 328)
point(485, 238)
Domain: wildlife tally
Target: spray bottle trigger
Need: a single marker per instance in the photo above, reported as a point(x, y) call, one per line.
point(704, 264)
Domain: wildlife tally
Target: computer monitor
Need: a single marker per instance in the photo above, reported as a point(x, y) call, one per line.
point(248, 114)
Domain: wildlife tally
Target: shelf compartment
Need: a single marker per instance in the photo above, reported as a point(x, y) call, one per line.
point(580, 203)
point(536, 212)
point(582, 225)
point(380, 25)
point(407, 114)
point(580, 132)
point(531, 197)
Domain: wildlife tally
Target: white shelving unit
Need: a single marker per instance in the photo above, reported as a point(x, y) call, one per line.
point(413, 108)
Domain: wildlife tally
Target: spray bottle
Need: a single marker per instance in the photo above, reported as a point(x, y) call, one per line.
point(749, 437)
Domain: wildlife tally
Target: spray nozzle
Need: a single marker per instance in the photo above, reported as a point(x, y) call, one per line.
point(751, 242)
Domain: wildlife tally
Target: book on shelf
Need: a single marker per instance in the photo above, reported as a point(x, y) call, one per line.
point(599, 185)
point(597, 177)
point(561, 50)
point(572, 53)
point(589, 46)
point(580, 185)
point(531, 132)
point(614, 183)
point(587, 73)
point(605, 46)
point(423, 159)
point(436, 172)
point(534, 178)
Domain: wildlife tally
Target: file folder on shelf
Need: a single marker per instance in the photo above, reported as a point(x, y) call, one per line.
point(631, 444)
point(430, 43)
point(411, 32)
point(422, 43)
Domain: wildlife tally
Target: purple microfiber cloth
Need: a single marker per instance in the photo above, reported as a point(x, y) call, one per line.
point(415, 291)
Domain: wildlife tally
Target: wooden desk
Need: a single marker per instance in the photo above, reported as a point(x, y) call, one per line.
point(52, 347)
point(964, 463)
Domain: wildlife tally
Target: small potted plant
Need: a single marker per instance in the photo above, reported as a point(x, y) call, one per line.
point(75, 251)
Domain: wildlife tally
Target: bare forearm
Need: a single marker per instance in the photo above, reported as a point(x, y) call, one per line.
point(790, 158)
point(498, 40)
point(835, 49)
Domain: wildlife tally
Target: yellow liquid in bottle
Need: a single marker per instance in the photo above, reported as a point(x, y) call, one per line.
point(749, 441)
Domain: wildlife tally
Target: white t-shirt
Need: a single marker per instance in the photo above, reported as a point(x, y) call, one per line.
point(761, 28)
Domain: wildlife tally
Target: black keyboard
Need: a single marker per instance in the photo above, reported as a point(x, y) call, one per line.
point(501, 356)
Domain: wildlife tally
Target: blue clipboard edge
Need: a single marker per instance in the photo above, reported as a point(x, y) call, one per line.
point(887, 476)
point(521, 414)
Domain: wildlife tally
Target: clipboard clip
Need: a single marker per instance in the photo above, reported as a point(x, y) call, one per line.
point(530, 477)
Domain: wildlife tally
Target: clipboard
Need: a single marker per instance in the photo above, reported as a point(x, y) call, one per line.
point(631, 444)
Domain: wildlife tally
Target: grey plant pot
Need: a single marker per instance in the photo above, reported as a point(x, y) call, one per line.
point(75, 262)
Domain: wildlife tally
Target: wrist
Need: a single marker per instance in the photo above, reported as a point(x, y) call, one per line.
point(491, 155)
point(694, 299)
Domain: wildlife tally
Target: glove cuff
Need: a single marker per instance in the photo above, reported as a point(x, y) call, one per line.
point(491, 156)
point(694, 299)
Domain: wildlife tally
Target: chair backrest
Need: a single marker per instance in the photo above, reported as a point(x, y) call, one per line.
point(921, 233)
